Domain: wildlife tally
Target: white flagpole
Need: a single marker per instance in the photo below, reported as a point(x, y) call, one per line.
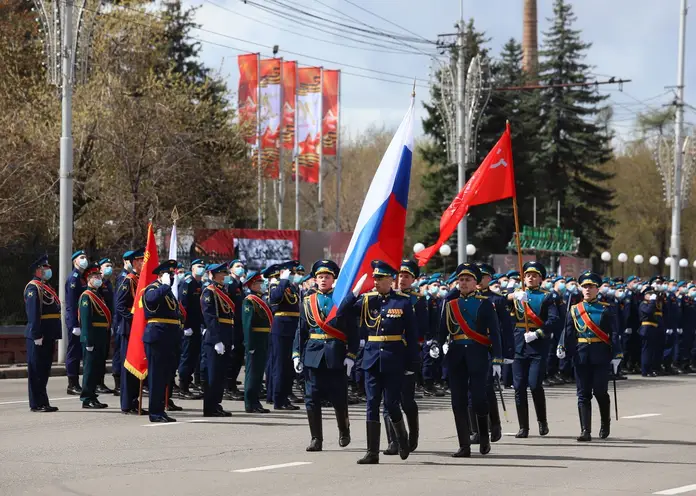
point(281, 172)
point(297, 152)
point(172, 256)
point(338, 157)
point(320, 202)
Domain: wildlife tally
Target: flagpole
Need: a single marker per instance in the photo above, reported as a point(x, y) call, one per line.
point(338, 158)
point(258, 141)
point(320, 204)
point(281, 172)
point(297, 152)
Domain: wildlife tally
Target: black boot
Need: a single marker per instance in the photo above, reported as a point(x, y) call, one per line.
point(343, 427)
point(539, 399)
point(74, 386)
point(585, 413)
point(401, 438)
point(117, 385)
point(373, 434)
point(473, 426)
point(484, 441)
point(523, 418)
point(413, 431)
point(316, 430)
point(461, 422)
point(605, 416)
point(494, 415)
point(392, 445)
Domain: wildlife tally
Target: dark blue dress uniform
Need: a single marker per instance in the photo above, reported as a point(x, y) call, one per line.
point(430, 369)
point(43, 329)
point(592, 340)
point(218, 317)
point(117, 359)
point(256, 324)
point(161, 337)
point(529, 367)
point(671, 344)
point(470, 324)
point(322, 345)
point(190, 298)
point(391, 351)
point(123, 302)
point(284, 299)
point(236, 353)
point(74, 287)
point(686, 343)
point(650, 313)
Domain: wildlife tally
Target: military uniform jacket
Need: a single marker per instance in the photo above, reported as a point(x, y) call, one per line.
point(190, 298)
point(74, 287)
point(235, 290)
point(507, 338)
point(387, 325)
point(591, 334)
point(107, 294)
point(115, 317)
point(433, 306)
point(318, 340)
point(43, 311)
point(218, 315)
point(125, 297)
point(162, 314)
point(650, 315)
point(471, 325)
point(688, 314)
point(256, 321)
point(420, 311)
point(543, 319)
point(284, 299)
point(95, 319)
point(673, 304)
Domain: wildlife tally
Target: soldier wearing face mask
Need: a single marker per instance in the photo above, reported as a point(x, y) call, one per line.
point(106, 291)
point(190, 298)
point(430, 367)
point(686, 344)
point(673, 328)
point(234, 286)
point(74, 287)
point(116, 360)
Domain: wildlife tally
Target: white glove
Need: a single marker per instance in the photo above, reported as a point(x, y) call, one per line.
point(166, 279)
point(285, 274)
point(362, 343)
point(508, 361)
point(445, 348)
point(530, 336)
point(251, 352)
point(274, 280)
point(358, 286)
point(653, 297)
point(669, 331)
point(434, 352)
point(89, 348)
point(188, 332)
point(76, 331)
point(561, 354)
point(348, 363)
point(38, 342)
point(496, 371)
point(615, 364)
point(521, 296)
point(220, 348)
point(680, 331)
point(628, 331)
point(203, 332)
point(298, 365)
point(408, 372)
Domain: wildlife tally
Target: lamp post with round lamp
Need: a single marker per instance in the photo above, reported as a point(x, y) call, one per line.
point(638, 260)
point(622, 258)
point(606, 258)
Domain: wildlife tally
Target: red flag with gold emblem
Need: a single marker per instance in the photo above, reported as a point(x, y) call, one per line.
point(136, 361)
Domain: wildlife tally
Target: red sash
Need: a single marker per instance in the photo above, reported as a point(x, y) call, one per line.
point(223, 296)
point(470, 333)
point(266, 309)
point(591, 325)
point(183, 312)
point(331, 331)
point(96, 299)
point(532, 316)
point(47, 288)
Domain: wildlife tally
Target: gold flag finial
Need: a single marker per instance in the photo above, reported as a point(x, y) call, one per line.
point(413, 93)
point(175, 214)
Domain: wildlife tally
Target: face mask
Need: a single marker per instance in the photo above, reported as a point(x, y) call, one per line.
point(620, 295)
point(179, 277)
point(665, 287)
point(127, 265)
point(572, 288)
point(495, 289)
point(673, 289)
point(561, 287)
point(610, 293)
point(199, 271)
point(443, 292)
point(433, 290)
point(47, 274)
point(547, 285)
point(692, 294)
point(228, 279)
point(97, 283)
point(603, 290)
point(517, 285)
point(108, 271)
point(239, 271)
point(297, 278)
point(82, 263)
point(511, 285)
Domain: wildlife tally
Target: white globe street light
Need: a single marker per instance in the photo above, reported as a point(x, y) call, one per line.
point(683, 263)
point(668, 261)
point(470, 250)
point(445, 250)
point(654, 260)
point(418, 247)
point(623, 258)
point(638, 259)
point(606, 256)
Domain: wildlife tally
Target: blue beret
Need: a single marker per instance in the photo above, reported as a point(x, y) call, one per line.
point(589, 277)
point(236, 260)
point(512, 273)
point(128, 255)
point(423, 283)
point(78, 253)
point(537, 267)
point(139, 253)
point(382, 269)
point(180, 265)
point(469, 269)
point(197, 261)
point(324, 267)
point(299, 268)
point(306, 278)
point(631, 278)
point(165, 266)
point(220, 267)
point(486, 269)
point(253, 276)
point(105, 261)
point(451, 279)
point(410, 267)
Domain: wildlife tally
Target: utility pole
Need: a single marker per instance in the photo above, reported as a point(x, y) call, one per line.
point(675, 239)
point(462, 154)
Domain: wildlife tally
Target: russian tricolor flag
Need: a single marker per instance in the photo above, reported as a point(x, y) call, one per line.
point(379, 233)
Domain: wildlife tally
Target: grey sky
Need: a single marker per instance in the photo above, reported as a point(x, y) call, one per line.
point(632, 39)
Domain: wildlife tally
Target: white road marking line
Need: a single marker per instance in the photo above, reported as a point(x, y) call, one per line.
point(643, 415)
point(509, 433)
point(270, 467)
point(160, 424)
point(679, 490)
point(51, 400)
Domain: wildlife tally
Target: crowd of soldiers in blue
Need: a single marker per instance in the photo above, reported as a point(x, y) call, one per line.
point(411, 335)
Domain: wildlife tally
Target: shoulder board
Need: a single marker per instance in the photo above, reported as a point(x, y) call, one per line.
point(541, 290)
point(403, 295)
point(370, 293)
point(481, 297)
point(605, 304)
point(75, 274)
point(188, 278)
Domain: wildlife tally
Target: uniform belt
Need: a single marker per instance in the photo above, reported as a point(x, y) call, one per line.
point(658, 313)
point(522, 325)
point(163, 321)
point(50, 316)
point(320, 336)
point(651, 324)
point(261, 329)
point(226, 321)
point(101, 324)
point(286, 314)
point(459, 337)
point(383, 339)
point(589, 340)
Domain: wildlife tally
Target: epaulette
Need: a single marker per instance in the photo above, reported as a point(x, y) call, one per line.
point(605, 304)
point(188, 278)
point(371, 293)
point(545, 291)
point(481, 297)
point(399, 293)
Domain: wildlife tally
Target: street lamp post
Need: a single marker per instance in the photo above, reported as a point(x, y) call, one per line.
point(445, 251)
point(683, 263)
point(654, 261)
point(638, 260)
point(418, 247)
point(623, 258)
point(606, 258)
point(470, 250)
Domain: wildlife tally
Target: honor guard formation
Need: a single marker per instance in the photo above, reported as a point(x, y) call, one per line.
point(468, 335)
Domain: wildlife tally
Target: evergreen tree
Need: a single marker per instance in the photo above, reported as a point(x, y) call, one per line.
point(576, 146)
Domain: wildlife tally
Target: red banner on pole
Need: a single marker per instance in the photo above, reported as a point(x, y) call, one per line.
point(136, 360)
point(309, 122)
point(270, 116)
point(289, 87)
point(248, 95)
point(329, 120)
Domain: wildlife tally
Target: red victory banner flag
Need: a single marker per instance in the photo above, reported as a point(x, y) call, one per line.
point(308, 123)
point(136, 361)
point(329, 121)
point(289, 86)
point(248, 95)
point(494, 180)
point(270, 115)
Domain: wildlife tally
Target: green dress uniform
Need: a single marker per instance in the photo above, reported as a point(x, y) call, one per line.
point(95, 324)
point(256, 321)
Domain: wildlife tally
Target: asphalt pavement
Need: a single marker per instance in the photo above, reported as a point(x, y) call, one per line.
point(652, 450)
